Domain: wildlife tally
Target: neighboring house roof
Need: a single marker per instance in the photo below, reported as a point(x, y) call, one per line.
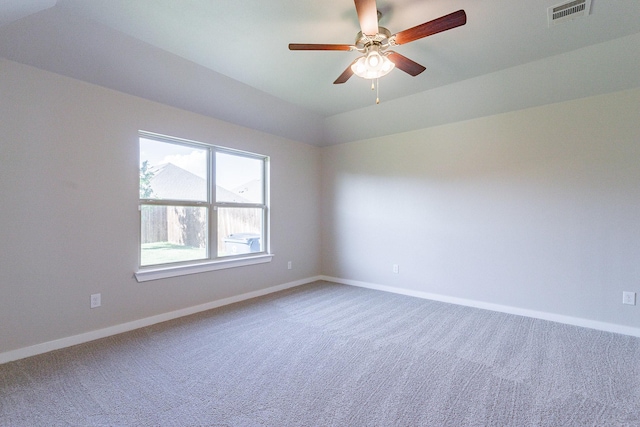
point(174, 183)
point(252, 191)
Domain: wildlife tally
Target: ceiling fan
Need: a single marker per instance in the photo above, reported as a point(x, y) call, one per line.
point(374, 42)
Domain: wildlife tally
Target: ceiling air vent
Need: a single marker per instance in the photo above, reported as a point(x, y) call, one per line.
point(568, 10)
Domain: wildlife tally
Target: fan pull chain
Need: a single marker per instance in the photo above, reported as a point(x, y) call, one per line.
point(376, 87)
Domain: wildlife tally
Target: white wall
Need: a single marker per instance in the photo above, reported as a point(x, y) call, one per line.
point(535, 209)
point(68, 208)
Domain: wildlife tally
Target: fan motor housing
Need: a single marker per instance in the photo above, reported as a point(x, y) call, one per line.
point(363, 41)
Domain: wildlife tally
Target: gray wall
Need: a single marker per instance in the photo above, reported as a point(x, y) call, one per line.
point(536, 209)
point(68, 208)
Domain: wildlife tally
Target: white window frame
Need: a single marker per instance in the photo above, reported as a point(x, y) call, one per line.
point(213, 261)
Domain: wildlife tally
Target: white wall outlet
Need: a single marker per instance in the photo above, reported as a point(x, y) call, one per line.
point(629, 298)
point(289, 265)
point(95, 301)
point(396, 268)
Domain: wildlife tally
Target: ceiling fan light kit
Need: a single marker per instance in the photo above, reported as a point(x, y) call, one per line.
point(373, 65)
point(374, 41)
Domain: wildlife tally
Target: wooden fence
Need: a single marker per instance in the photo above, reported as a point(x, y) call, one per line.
point(154, 220)
point(188, 226)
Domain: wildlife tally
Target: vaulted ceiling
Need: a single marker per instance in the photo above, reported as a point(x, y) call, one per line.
point(229, 58)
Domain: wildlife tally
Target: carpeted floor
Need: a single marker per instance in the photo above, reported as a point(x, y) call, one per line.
point(333, 355)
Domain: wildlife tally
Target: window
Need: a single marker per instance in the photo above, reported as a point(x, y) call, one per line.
point(200, 205)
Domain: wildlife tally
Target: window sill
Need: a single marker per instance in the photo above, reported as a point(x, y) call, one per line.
point(146, 274)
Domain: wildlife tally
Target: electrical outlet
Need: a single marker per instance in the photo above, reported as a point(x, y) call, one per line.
point(396, 268)
point(289, 265)
point(95, 300)
point(629, 298)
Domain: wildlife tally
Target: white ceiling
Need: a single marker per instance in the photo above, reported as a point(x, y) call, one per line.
point(229, 58)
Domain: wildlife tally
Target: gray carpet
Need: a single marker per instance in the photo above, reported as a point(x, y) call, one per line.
point(332, 355)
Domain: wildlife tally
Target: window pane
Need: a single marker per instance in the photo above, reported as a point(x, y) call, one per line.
point(239, 231)
point(173, 234)
point(239, 179)
point(172, 171)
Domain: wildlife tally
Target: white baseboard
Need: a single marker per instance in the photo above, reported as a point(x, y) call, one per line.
point(568, 320)
point(148, 321)
point(45, 347)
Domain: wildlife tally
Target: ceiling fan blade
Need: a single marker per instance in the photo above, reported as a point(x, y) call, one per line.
point(368, 16)
point(406, 64)
point(302, 46)
point(346, 74)
point(438, 25)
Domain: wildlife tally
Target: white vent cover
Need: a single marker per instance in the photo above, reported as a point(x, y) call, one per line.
point(568, 10)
